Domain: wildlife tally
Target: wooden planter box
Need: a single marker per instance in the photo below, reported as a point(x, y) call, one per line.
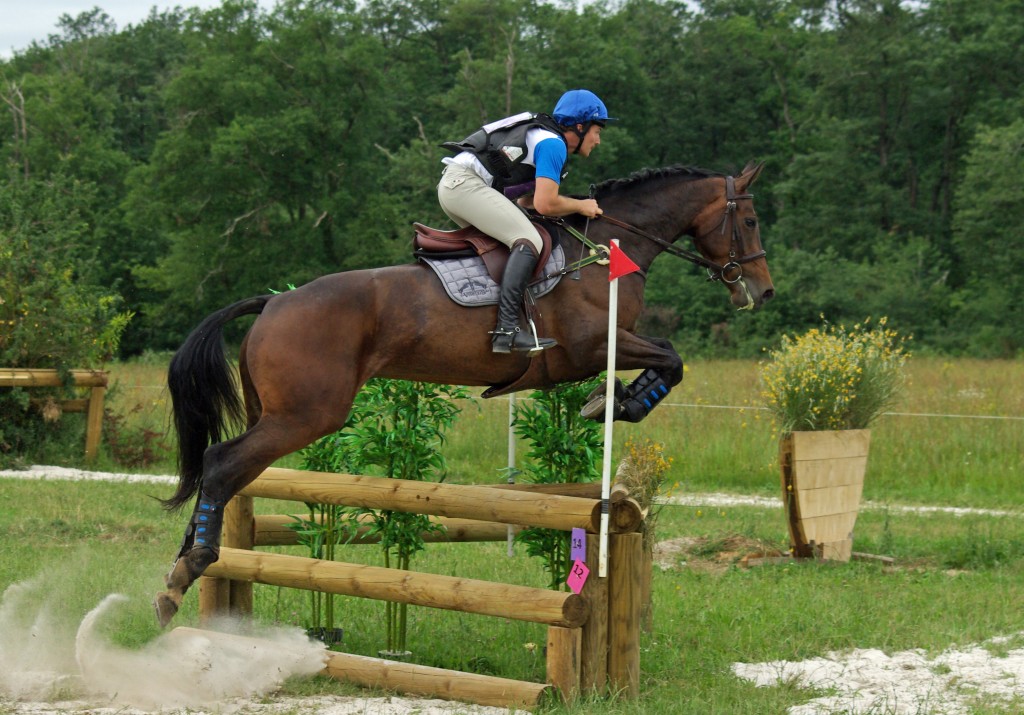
point(822, 481)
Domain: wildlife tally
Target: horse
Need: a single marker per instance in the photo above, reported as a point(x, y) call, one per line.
point(311, 349)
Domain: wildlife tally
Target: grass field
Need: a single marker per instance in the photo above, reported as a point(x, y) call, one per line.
point(956, 580)
point(955, 437)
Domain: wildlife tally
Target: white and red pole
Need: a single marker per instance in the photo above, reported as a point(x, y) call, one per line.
point(619, 264)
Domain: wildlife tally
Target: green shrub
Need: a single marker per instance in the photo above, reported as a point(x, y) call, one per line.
point(51, 315)
point(564, 448)
point(396, 429)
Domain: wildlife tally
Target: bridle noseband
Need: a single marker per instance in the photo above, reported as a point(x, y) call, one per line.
point(715, 271)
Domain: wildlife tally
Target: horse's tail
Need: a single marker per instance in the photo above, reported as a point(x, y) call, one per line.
point(204, 395)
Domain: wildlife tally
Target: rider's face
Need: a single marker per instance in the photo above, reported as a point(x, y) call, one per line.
point(590, 140)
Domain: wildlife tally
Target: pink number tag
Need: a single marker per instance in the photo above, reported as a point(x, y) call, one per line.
point(577, 576)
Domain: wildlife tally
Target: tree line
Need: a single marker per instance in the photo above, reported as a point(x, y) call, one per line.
point(170, 167)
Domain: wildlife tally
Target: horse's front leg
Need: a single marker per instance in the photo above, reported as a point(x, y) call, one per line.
point(662, 370)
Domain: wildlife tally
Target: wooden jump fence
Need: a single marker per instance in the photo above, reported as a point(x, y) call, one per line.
point(95, 380)
point(593, 638)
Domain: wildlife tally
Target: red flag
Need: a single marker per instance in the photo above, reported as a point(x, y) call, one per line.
point(619, 264)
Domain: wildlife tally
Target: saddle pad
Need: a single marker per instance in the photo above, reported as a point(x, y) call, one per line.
point(467, 282)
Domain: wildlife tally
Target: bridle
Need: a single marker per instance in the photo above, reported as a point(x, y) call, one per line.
point(716, 272)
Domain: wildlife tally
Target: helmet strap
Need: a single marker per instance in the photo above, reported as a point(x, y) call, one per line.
point(580, 133)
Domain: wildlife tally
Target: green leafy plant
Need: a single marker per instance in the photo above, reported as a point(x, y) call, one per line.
point(324, 529)
point(564, 448)
point(395, 430)
point(833, 378)
point(52, 313)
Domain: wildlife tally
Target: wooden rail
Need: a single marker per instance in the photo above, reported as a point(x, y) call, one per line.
point(96, 380)
point(521, 603)
point(507, 506)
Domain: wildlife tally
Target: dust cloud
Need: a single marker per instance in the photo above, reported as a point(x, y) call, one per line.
point(44, 657)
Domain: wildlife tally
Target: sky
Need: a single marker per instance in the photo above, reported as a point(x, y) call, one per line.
point(22, 21)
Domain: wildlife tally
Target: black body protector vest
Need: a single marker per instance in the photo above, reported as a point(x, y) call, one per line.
point(503, 149)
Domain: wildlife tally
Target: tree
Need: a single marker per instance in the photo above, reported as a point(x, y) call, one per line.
point(990, 198)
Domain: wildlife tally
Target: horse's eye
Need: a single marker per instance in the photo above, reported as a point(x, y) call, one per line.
point(750, 222)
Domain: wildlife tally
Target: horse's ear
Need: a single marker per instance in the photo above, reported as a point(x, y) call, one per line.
point(751, 171)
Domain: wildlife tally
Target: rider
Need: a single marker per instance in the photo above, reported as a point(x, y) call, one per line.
point(513, 164)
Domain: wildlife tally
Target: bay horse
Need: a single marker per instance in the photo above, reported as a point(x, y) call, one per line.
point(311, 349)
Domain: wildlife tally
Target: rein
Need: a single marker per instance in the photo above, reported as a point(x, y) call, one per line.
point(715, 271)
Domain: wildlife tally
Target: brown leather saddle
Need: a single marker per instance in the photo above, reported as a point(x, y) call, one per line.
point(471, 241)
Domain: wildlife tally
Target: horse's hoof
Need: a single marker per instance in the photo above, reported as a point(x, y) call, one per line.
point(166, 607)
point(594, 410)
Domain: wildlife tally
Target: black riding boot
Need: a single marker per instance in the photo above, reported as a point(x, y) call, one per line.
point(506, 336)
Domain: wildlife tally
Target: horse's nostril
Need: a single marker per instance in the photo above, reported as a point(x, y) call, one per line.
point(767, 295)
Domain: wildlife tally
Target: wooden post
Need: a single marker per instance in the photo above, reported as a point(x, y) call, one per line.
point(223, 596)
point(240, 533)
point(563, 661)
point(624, 564)
point(647, 588)
point(94, 422)
point(214, 599)
point(594, 642)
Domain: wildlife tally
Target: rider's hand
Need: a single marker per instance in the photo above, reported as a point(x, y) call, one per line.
point(589, 208)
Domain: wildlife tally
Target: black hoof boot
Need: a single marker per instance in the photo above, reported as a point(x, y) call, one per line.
point(642, 396)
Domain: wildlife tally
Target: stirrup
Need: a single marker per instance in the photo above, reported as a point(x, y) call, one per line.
point(506, 340)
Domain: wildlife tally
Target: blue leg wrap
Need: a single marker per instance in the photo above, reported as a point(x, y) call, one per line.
point(642, 396)
point(204, 529)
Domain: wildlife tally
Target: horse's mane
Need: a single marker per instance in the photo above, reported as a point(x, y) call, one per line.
point(690, 173)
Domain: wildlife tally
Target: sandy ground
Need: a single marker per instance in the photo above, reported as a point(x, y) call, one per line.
point(43, 670)
point(904, 683)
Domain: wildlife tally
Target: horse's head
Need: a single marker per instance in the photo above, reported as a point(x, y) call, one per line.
point(728, 235)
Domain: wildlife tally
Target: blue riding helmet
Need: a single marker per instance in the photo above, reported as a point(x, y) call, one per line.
point(579, 106)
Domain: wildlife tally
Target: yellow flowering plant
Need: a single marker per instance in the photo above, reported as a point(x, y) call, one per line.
point(642, 472)
point(832, 378)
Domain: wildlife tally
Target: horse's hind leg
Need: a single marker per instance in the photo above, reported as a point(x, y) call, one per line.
point(227, 468)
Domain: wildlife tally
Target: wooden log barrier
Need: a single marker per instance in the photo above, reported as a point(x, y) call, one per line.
point(522, 603)
point(370, 672)
point(96, 380)
point(275, 530)
point(435, 682)
point(507, 506)
point(593, 637)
